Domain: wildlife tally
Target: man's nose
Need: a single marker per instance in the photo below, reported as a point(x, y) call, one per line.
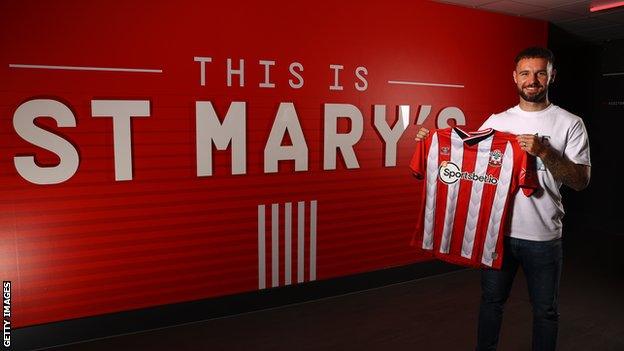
point(532, 78)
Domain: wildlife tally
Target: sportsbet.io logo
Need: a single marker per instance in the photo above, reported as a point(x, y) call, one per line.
point(450, 173)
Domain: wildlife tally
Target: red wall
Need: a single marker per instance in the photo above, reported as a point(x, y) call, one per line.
point(93, 244)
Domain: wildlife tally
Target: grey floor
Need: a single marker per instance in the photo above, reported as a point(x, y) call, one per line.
point(435, 313)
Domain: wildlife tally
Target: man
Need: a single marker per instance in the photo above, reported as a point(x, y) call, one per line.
point(533, 241)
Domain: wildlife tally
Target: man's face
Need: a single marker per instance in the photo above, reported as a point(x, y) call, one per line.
point(532, 77)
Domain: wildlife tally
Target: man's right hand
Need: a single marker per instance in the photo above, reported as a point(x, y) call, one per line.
point(422, 134)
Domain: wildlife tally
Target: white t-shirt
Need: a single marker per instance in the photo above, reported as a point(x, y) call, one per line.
point(538, 217)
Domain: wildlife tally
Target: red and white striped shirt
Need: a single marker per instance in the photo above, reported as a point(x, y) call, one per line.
point(470, 179)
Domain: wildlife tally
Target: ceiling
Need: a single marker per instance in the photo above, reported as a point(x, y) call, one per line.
point(573, 16)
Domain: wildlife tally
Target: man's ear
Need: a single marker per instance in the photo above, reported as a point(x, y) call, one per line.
point(552, 76)
point(514, 76)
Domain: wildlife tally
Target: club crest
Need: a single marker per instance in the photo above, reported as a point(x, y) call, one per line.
point(496, 158)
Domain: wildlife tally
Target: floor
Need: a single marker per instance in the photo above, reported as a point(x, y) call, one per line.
point(435, 313)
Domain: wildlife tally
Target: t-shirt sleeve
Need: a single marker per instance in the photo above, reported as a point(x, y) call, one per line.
point(577, 145)
point(418, 164)
point(528, 175)
point(487, 124)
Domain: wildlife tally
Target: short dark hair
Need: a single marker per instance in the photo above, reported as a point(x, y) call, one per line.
point(536, 52)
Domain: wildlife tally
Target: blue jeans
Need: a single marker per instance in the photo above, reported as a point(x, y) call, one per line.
point(541, 262)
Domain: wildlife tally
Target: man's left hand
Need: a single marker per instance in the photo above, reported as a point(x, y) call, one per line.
point(532, 144)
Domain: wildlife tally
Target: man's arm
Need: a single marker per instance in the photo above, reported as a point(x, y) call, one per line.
point(576, 176)
point(422, 134)
point(569, 173)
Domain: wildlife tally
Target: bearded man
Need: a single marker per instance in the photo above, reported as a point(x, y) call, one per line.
point(533, 239)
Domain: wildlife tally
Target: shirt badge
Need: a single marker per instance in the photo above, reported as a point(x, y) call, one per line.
point(496, 158)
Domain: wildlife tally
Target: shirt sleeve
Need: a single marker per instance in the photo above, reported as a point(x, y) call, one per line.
point(487, 124)
point(528, 175)
point(418, 164)
point(577, 145)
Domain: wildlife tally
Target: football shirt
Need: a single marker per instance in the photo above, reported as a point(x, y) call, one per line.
point(469, 180)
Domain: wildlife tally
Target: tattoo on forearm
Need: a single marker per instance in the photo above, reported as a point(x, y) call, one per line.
point(564, 170)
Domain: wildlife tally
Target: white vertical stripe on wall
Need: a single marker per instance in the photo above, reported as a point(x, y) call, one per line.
point(287, 243)
point(261, 249)
point(313, 240)
point(275, 245)
point(300, 241)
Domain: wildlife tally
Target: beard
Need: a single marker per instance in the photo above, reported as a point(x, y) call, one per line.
point(539, 97)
